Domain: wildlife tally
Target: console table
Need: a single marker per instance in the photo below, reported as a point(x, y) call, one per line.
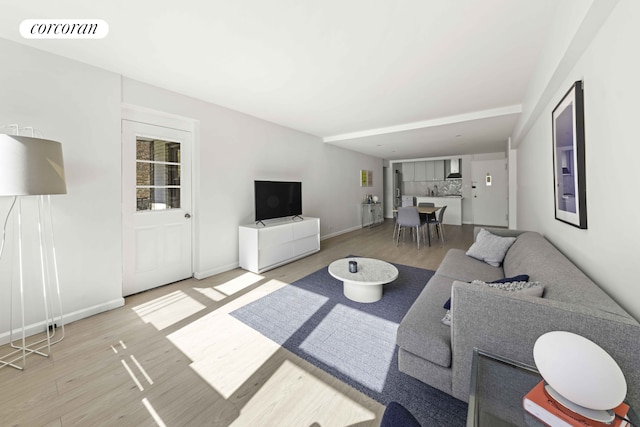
point(372, 214)
point(264, 247)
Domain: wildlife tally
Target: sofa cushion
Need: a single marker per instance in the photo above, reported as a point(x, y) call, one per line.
point(420, 331)
point(490, 248)
point(457, 266)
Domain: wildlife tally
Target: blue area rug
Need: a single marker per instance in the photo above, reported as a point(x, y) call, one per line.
point(352, 341)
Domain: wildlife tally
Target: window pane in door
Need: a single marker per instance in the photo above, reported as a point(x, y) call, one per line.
point(158, 151)
point(155, 199)
point(157, 174)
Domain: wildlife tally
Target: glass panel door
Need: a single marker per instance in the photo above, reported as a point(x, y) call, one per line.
point(156, 193)
point(157, 174)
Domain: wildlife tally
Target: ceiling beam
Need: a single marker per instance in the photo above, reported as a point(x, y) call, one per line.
point(467, 117)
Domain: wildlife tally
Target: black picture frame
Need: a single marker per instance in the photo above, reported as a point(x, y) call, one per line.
point(569, 177)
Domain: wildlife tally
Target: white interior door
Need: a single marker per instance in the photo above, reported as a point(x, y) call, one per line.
point(490, 192)
point(156, 181)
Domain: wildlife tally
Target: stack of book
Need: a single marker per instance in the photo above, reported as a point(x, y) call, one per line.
point(539, 404)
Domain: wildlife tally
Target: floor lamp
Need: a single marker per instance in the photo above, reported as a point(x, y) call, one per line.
point(32, 166)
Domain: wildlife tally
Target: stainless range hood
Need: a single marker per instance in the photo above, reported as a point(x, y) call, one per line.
point(454, 169)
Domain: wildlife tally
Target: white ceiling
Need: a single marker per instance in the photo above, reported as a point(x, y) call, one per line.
point(395, 79)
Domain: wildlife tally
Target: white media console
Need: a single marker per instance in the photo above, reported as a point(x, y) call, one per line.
point(263, 247)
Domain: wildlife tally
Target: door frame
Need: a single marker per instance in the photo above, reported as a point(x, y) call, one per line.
point(149, 116)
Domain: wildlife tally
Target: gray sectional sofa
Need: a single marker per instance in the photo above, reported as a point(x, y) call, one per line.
point(508, 323)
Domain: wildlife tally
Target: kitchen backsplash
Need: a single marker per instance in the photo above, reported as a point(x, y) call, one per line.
point(451, 187)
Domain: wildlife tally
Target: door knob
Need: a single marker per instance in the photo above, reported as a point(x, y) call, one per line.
point(187, 215)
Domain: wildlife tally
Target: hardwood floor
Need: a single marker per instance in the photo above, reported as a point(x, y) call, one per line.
point(173, 356)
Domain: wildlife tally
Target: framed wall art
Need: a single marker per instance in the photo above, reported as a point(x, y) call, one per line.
point(569, 158)
point(366, 178)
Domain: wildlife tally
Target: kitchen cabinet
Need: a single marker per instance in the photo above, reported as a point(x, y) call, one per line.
point(420, 173)
point(438, 170)
point(430, 170)
point(408, 171)
point(434, 170)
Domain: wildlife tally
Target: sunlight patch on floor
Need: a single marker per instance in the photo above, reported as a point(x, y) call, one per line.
point(294, 397)
point(238, 352)
point(211, 293)
point(226, 352)
point(367, 340)
point(230, 287)
point(239, 283)
point(167, 310)
point(153, 413)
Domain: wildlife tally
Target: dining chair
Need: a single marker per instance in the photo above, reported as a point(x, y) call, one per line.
point(395, 224)
point(425, 217)
point(438, 224)
point(408, 217)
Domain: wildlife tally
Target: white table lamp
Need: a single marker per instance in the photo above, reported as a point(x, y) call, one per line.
point(581, 376)
point(32, 166)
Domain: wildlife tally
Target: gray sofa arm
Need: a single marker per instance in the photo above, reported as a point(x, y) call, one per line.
point(508, 324)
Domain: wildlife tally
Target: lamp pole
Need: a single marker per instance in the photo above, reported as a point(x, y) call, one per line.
point(33, 167)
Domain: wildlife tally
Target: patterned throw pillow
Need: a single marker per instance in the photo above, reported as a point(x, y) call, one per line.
point(526, 288)
point(518, 278)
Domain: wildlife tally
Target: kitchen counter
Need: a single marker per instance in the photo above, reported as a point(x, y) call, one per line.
point(453, 214)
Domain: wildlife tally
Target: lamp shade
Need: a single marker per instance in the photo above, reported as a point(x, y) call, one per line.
point(579, 370)
point(30, 166)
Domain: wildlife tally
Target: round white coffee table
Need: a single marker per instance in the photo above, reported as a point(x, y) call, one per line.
point(366, 284)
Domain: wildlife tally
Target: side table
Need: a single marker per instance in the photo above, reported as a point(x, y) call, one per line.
point(365, 285)
point(497, 388)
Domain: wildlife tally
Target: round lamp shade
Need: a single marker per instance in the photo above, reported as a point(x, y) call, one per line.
point(579, 370)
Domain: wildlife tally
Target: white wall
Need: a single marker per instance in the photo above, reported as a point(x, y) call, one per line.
point(235, 149)
point(79, 106)
point(512, 156)
point(608, 250)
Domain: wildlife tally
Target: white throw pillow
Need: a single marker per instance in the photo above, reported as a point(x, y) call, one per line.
point(490, 248)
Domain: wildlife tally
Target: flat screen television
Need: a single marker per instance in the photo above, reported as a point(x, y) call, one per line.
point(277, 199)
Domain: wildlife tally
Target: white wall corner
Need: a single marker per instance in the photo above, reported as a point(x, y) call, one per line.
point(512, 162)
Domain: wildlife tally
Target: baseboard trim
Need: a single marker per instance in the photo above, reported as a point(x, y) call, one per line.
point(337, 233)
point(39, 327)
point(212, 272)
